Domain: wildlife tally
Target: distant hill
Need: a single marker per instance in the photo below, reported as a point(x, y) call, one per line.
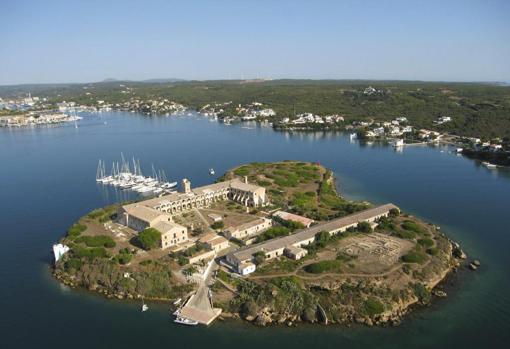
point(162, 80)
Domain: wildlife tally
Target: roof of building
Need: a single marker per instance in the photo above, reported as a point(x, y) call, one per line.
point(143, 212)
point(305, 234)
point(293, 217)
point(246, 265)
point(165, 227)
point(247, 225)
point(295, 250)
point(204, 190)
point(213, 239)
point(215, 216)
point(237, 184)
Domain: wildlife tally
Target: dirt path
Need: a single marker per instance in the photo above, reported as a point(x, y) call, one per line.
point(206, 223)
point(320, 276)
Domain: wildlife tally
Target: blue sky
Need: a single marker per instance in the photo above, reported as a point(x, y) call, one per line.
point(81, 41)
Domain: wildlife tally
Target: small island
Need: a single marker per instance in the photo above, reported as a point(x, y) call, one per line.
point(271, 243)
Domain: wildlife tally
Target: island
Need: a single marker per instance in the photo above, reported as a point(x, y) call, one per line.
point(271, 243)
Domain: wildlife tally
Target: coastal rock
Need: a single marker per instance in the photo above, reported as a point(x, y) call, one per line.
point(263, 319)
point(439, 293)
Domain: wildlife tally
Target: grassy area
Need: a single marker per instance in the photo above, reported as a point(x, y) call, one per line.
point(303, 188)
point(103, 215)
point(329, 266)
point(415, 256)
point(96, 241)
point(76, 230)
point(272, 233)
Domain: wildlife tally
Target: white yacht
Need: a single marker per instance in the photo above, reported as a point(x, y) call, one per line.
point(184, 321)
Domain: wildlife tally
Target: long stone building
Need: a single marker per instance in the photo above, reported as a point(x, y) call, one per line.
point(291, 245)
point(235, 190)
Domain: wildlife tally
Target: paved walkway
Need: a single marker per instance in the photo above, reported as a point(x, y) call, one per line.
point(199, 306)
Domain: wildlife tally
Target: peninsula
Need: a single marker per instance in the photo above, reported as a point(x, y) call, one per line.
point(268, 243)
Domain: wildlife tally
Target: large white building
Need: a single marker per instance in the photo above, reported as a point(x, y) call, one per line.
point(139, 218)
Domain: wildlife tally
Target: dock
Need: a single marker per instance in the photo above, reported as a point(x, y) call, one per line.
point(199, 308)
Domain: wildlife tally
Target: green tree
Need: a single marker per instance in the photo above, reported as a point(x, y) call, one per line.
point(394, 212)
point(364, 227)
point(218, 225)
point(248, 308)
point(321, 238)
point(149, 238)
point(259, 257)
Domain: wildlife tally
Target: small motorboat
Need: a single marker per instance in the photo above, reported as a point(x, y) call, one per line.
point(184, 321)
point(489, 165)
point(178, 301)
point(211, 171)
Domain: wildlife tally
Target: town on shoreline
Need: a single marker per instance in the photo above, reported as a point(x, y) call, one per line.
point(470, 117)
point(269, 243)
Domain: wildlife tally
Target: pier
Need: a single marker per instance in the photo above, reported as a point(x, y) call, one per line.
point(199, 307)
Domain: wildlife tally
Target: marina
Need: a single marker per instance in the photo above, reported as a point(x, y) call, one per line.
point(125, 177)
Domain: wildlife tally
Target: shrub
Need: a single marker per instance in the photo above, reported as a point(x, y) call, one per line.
point(272, 233)
point(433, 251)
point(421, 292)
point(96, 213)
point(124, 258)
point(322, 238)
point(248, 308)
point(76, 230)
point(364, 227)
point(149, 238)
point(414, 257)
point(181, 260)
point(263, 183)
point(394, 212)
point(292, 225)
point(412, 226)
point(259, 257)
point(426, 242)
point(73, 263)
point(218, 225)
point(372, 306)
point(189, 270)
point(309, 314)
point(404, 234)
point(242, 171)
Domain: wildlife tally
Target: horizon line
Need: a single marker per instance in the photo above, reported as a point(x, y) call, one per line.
point(181, 80)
